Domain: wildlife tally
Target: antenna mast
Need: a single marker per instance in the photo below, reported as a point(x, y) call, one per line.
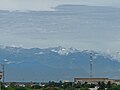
point(91, 64)
point(3, 71)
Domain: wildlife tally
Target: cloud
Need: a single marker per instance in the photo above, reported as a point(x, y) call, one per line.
point(49, 4)
point(92, 28)
point(26, 5)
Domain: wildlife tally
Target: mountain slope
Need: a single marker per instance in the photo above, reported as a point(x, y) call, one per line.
point(56, 63)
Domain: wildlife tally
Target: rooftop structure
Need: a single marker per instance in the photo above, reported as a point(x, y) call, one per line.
point(95, 80)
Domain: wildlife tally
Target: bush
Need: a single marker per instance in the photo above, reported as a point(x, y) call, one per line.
point(21, 88)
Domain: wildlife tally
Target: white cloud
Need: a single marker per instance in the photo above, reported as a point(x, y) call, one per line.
point(101, 31)
point(26, 4)
point(47, 4)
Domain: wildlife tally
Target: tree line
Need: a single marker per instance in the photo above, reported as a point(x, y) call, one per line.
point(51, 85)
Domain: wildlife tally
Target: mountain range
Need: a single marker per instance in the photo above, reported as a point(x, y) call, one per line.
point(55, 63)
point(78, 26)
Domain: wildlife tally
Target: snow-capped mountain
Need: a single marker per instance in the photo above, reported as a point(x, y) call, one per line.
point(57, 63)
point(64, 51)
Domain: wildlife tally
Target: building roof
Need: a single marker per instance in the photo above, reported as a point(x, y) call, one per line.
point(91, 79)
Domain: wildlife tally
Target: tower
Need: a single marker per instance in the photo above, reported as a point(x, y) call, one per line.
point(91, 64)
point(3, 71)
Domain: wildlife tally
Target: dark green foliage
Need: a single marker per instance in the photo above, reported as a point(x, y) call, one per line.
point(35, 87)
point(21, 88)
point(51, 83)
point(64, 86)
point(78, 85)
point(101, 86)
point(69, 88)
point(114, 87)
point(84, 89)
point(109, 85)
point(13, 84)
point(51, 88)
point(9, 88)
point(92, 86)
point(67, 85)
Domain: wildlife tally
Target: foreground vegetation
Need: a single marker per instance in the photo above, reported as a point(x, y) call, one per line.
point(63, 86)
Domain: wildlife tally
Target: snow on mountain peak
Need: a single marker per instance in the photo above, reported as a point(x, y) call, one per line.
point(64, 51)
point(111, 55)
point(116, 56)
point(39, 53)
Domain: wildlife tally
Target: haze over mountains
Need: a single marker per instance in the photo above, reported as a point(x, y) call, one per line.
point(55, 63)
point(82, 27)
point(91, 27)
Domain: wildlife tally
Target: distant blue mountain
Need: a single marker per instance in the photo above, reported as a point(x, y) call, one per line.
point(56, 63)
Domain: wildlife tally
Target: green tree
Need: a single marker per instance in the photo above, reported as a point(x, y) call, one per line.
point(86, 85)
point(78, 85)
point(36, 87)
point(114, 87)
point(92, 85)
point(84, 88)
point(101, 86)
point(13, 84)
point(108, 84)
point(21, 88)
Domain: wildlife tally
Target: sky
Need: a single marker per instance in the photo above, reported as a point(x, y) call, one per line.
point(81, 27)
point(47, 4)
point(97, 30)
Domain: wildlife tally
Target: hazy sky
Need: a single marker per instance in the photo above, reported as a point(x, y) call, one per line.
point(98, 30)
point(47, 4)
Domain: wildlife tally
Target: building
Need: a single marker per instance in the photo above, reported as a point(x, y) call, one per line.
point(95, 80)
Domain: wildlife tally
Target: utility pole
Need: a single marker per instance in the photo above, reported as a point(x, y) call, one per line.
point(3, 71)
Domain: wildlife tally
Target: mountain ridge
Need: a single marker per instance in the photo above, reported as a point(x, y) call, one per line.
point(56, 61)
